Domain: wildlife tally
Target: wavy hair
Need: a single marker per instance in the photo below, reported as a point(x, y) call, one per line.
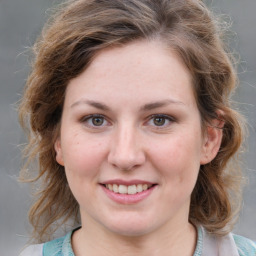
point(77, 31)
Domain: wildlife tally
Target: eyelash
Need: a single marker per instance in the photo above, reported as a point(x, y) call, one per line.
point(165, 118)
point(168, 118)
point(88, 118)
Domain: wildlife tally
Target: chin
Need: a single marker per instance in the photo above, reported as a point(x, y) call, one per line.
point(131, 228)
point(130, 232)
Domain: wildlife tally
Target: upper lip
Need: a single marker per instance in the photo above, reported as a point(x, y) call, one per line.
point(127, 182)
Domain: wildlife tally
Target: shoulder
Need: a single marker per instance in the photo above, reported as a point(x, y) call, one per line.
point(33, 250)
point(230, 244)
point(58, 247)
point(245, 246)
point(53, 247)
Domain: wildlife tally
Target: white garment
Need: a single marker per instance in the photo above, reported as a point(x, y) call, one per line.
point(207, 245)
point(33, 250)
point(218, 246)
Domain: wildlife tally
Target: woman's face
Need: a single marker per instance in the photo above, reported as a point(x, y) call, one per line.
point(131, 140)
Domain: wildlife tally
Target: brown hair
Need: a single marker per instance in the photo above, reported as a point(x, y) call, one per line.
point(66, 47)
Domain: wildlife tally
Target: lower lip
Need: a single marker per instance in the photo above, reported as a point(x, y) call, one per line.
point(126, 198)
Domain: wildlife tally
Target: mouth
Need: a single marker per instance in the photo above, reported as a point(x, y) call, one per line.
point(128, 190)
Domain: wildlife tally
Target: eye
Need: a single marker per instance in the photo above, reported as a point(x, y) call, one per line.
point(160, 120)
point(95, 121)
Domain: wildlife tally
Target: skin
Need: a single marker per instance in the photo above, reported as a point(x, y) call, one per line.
point(129, 142)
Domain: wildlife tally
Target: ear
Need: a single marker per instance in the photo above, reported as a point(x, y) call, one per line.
point(212, 141)
point(58, 150)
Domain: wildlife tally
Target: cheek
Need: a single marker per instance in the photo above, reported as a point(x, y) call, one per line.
point(83, 159)
point(82, 156)
point(178, 158)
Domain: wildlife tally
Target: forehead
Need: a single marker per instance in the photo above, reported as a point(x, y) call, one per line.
point(141, 69)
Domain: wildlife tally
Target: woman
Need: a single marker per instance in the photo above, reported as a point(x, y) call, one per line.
point(130, 120)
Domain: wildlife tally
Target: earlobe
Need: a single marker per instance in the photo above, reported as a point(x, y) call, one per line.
point(212, 141)
point(58, 150)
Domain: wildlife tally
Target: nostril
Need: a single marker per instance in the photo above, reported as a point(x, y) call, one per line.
point(125, 164)
point(126, 160)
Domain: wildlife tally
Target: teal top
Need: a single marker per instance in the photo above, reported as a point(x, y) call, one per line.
point(62, 246)
point(245, 246)
point(207, 245)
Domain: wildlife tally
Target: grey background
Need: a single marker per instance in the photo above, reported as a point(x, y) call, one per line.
point(20, 23)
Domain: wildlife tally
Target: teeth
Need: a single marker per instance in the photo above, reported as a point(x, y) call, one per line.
point(144, 187)
point(139, 188)
point(122, 189)
point(130, 190)
point(115, 188)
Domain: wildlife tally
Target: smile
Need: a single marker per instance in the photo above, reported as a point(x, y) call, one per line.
point(129, 190)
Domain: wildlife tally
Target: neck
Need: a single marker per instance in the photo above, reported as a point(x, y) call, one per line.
point(170, 241)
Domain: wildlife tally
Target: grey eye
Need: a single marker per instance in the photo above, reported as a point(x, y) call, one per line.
point(97, 121)
point(159, 121)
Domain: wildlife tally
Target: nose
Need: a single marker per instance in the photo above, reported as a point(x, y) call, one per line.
point(126, 150)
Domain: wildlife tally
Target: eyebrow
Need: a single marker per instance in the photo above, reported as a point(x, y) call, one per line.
point(92, 103)
point(146, 107)
point(159, 104)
